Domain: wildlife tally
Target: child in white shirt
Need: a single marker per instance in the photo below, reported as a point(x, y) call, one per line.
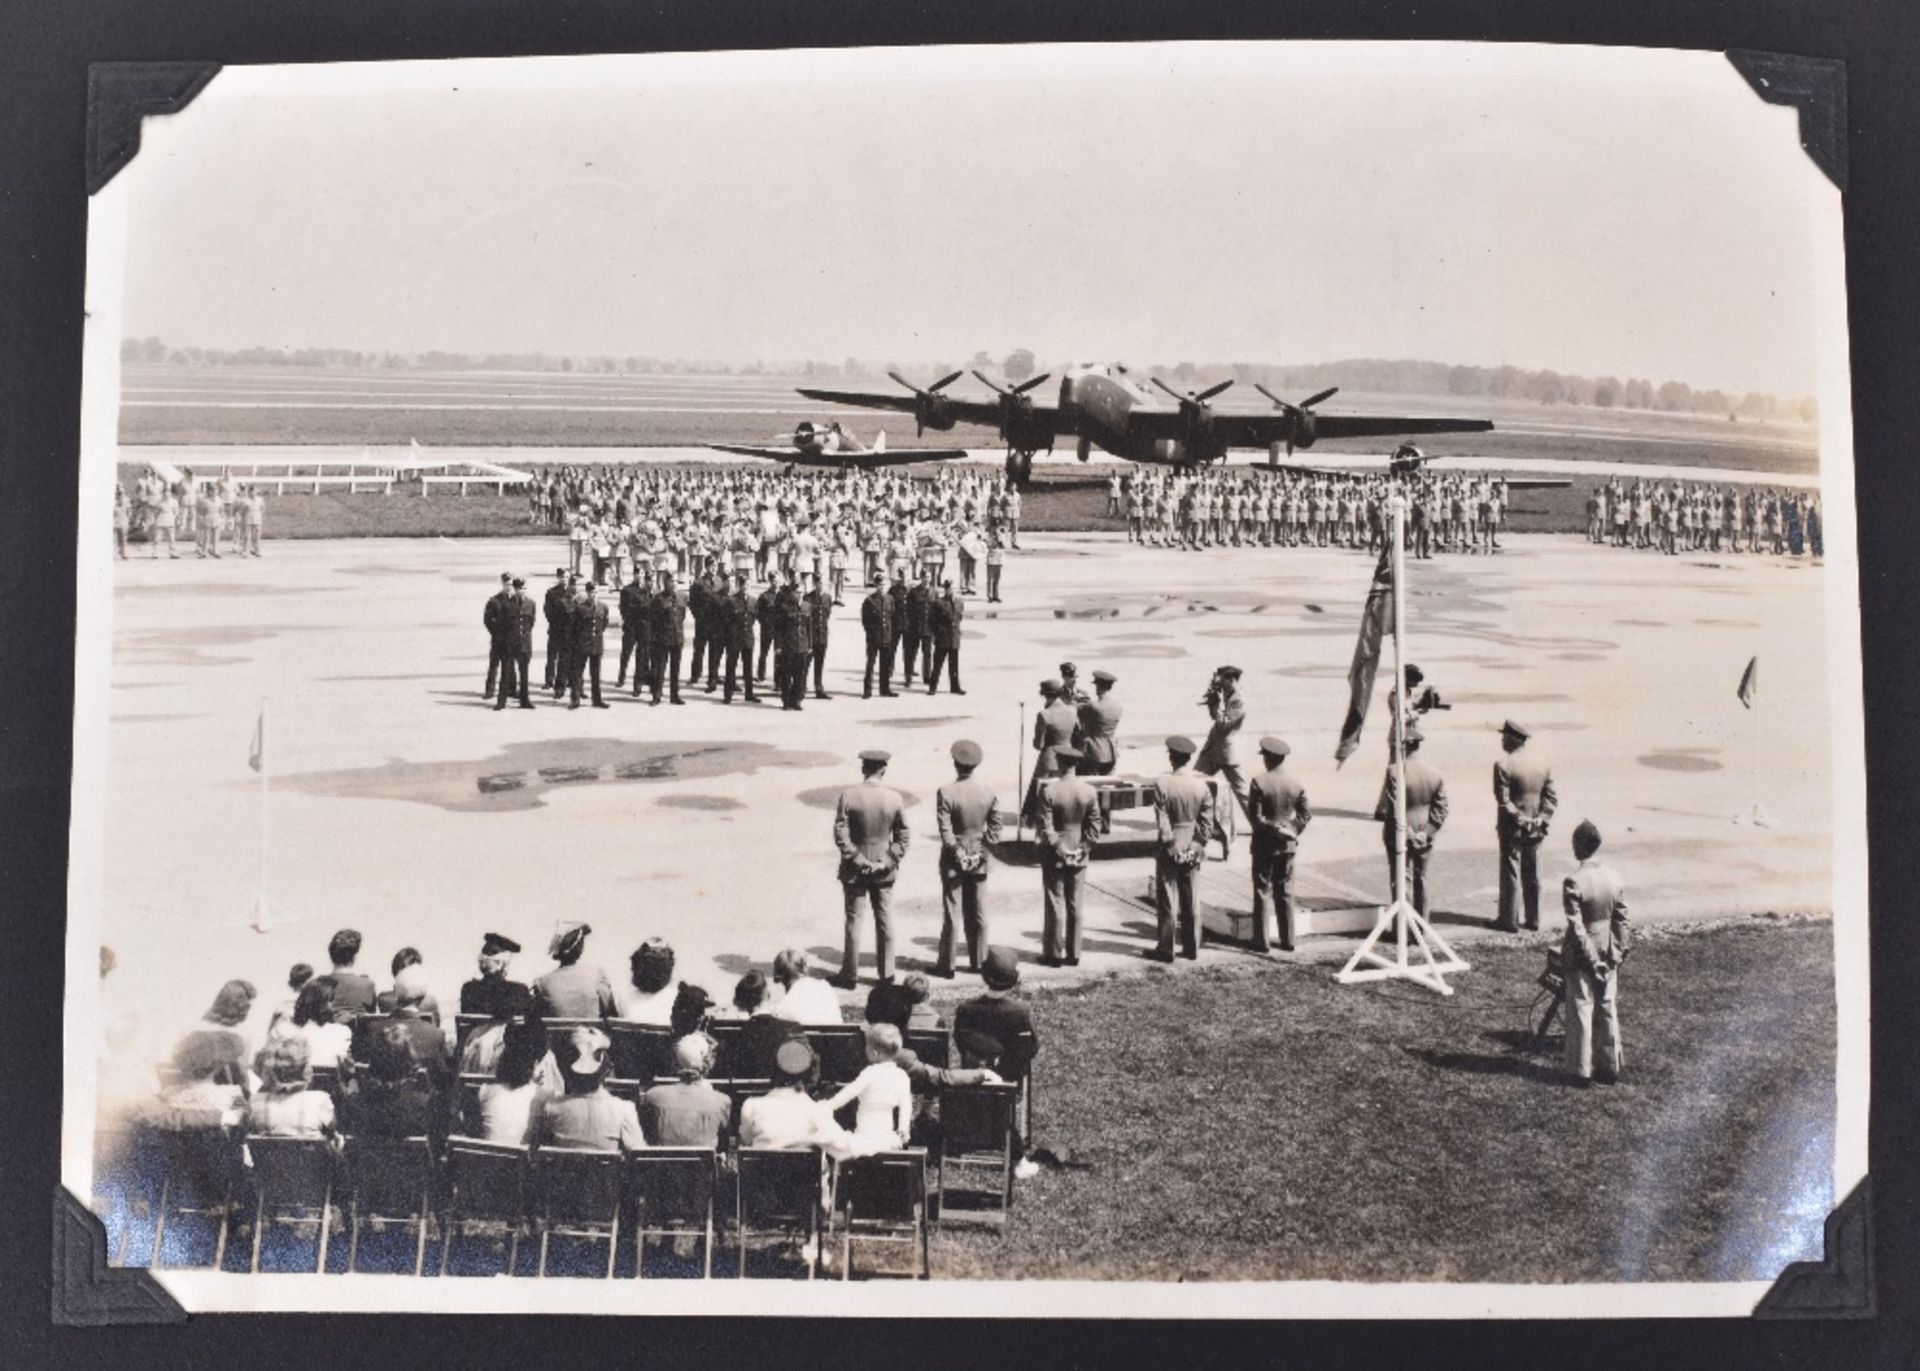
point(883, 1089)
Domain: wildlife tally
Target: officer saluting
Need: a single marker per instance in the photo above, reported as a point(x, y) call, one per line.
point(1278, 812)
point(870, 830)
point(1183, 814)
point(969, 819)
point(1523, 791)
point(1069, 825)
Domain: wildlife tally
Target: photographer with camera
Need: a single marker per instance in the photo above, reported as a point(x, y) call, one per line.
point(1420, 697)
point(1219, 757)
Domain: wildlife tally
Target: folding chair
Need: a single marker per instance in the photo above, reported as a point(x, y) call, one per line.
point(1545, 1008)
point(486, 1184)
point(642, 1052)
point(327, 1080)
point(933, 1046)
point(976, 1133)
point(292, 1184)
point(392, 1181)
point(559, 1030)
point(779, 1197)
point(197, 1182)
point(883, 1198)
point(672, 1189)
point(726, 1039)
point(842, 1050)
point(365, 1028)
point(1024, 1047)
point(464, 1027)
point(581, 1194)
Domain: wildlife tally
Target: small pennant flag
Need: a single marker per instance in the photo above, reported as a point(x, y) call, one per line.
point(1376, 621)
point(1750, 682)
point(257, 751)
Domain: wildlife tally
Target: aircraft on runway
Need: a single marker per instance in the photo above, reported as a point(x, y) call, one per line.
point(1407, 461)
point(830, 445)
point(1107, 407)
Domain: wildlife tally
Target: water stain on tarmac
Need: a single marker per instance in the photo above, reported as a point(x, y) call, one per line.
point(404, 676)
point(186, 647)
point(1578, 657)
point(710, 803)
point(1139, 651)
point(213, 589)
point(828, 796)
point(1679, 759)
point(1643, 623)
point(519, 776)
point(1470, 697)
point(918, 721)
point(383, 570)
point(1726, 623)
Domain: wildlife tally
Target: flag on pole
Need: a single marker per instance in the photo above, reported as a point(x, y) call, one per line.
point(257, 751)
point(1750, 682)
point(1376, 621)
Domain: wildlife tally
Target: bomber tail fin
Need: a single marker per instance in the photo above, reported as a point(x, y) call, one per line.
point(880, 441)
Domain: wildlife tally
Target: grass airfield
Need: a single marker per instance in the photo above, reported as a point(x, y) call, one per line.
point(401, 805)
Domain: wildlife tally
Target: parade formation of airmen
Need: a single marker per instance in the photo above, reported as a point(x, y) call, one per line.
point(1698, 516)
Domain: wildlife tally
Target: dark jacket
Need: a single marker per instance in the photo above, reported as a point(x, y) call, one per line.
point(501, 999)
point(670, 618)
point(876, 617)
point(740, 620)
point(556, 607)
point(943, 621)
point(589, 628)
point(993, 1021)
point(917, 600)
point(897, 593)
point(521, 614)
point(495, 616)
point(819, 607)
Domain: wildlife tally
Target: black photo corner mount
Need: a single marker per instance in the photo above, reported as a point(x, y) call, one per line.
point(1840, 1284)
point(1814, 86)
point(120, 95)
point(88, 1293)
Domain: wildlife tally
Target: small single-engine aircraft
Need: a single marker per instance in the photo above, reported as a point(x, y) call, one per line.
point(1408, 460)
point(830, 445)
point(1106, 407)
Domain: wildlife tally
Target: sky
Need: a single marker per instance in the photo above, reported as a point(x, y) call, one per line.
point(1595, 211)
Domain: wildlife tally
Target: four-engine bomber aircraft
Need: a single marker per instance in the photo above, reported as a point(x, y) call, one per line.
point(1105, 407)
point(830, 445)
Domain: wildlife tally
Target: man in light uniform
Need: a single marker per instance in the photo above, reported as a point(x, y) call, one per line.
point(1057, 724)
point(969, 817)
point(1278, 812)
point(1523, 791)
point(1183, 814)
point(1069, 825)
point(870, 831)
point(1426, 812)
point(1220, 756)
point(1598, 936)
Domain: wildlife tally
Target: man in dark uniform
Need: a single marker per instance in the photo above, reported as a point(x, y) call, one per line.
point(1070, 685)
point(943, 633)
point(589, 645)
point(876, 618)
point(669, 636)
point(719, 615)
point(1524, 800)
point(1069, 824)
point(698, 602)
point(916, 633)
point(567, 665)
point(494, 616)
point(764, 609)
point(794, 638)
point(636, 608)
point(819, 609)
point(739, 641)
point(1426, 812)
point(558, 594)
point(492, 993)
point(1278, 812)
point(897, 594)
point(517, 663)
point(870, 830)
point(968, 815)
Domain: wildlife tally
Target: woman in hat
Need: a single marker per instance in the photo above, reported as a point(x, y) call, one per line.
point(570, 990)
point(587, 1116)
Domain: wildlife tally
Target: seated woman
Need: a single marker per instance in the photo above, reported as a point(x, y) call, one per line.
point(884, 1093)
point(506, 1107)
point(692, 1010)
point(651, 999)
point(808, 999)
point(221, 1031)
point(286, 1105)
point(398, 1095)
point(326, 1039)
point(389, 1000)
point(751, 1053)
point(587, 1116)
point(197, 1096)
point(787, 1118)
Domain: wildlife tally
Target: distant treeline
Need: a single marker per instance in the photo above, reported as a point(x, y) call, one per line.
point(1373, 374)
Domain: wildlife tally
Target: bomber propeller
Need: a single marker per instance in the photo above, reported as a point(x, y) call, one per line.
point(1196, 413)
point(930, 408)
point(1302, 431)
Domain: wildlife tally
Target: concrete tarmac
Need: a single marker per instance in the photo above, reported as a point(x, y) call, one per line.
point(401, 805)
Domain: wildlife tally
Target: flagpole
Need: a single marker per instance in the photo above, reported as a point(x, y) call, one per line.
point(261, 916)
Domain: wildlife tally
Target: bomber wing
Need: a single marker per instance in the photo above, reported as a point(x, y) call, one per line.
point(890, 457)
point(983, 412)
point(1263, 430)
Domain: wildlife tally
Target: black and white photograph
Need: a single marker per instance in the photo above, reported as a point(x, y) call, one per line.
point(1185, 680)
